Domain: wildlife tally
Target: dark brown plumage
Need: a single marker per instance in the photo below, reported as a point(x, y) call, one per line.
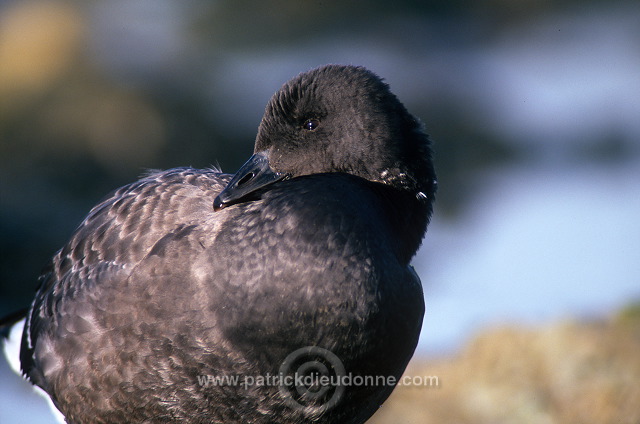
point(188, 273)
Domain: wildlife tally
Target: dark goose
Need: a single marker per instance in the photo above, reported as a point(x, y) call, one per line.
point(299, 263)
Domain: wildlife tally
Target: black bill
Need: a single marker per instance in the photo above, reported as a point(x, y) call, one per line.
point(254, 175)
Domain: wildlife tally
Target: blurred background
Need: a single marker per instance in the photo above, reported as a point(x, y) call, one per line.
point(531, 264)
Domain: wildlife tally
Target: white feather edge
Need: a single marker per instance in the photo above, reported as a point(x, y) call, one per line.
point(12, 353)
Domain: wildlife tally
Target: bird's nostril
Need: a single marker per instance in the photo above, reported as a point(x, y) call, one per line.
point(246, 178)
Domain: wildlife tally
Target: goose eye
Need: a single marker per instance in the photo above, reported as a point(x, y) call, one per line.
point(311, 124)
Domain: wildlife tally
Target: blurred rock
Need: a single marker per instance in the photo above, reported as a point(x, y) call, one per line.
point(568, 372)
